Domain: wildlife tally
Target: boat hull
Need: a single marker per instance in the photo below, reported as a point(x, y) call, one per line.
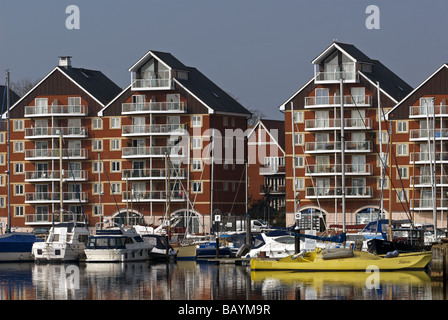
point(187, 252)
point(361, 261)
point(55, 252)
point(116, 255)
point(17, 247)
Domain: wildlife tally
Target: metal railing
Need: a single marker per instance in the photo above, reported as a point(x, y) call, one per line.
point(151, 151)
point(56, 110)
point(152, 173)
point(152, 195)
point(349, 100)
point(55, 196)
point(146, 107)
point(77, 132)
point(331, 192)
point(151, 129)
point(55, 153)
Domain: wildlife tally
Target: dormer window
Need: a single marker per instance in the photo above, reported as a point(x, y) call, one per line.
point(152, 74)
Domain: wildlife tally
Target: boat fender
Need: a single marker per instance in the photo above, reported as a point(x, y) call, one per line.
point(300, 254)
point(392, 254)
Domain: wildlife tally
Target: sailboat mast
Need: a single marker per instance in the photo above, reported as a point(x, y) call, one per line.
point(380, 138)
point(342, 154)
point(9, 152)
point(61, 208)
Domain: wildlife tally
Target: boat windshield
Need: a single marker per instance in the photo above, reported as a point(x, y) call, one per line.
point(106, 243)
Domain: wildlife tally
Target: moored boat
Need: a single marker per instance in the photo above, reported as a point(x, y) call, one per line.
point(116, 245)
point(17, 246)
point(66, 241)
point(343, 260)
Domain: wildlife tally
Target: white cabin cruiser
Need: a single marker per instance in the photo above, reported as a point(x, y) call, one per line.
point(66, 241)
point(117, 245)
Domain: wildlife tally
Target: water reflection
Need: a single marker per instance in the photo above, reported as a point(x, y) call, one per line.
point(204, 281)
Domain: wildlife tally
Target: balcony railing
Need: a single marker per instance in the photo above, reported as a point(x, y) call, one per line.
point(425, 181)
point(332, 192)
point(67, 132)
point(427, 204)
point(158, 196)
point(37, 154)
point(143, 152)
point(153, 80)
point(141, 174)
point(78, 175)
point(332, 101)
point(153, 107)
point(332, 146)
point(424, 157)
point(335, 76)
point(423, 134)
point(48, 218)
point(156, 129)
point(36, 197)
point(272, 189)
point(55, 111)
point(336, 169)
point(423, 111)
point(331, 124)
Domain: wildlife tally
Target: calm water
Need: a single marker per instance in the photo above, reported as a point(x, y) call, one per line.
point(203, 281)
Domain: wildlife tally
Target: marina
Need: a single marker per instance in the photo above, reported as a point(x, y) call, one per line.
point(188, 280)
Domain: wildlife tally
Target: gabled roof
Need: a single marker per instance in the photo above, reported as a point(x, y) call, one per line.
point(390, 84)
point(211, 95)
point(416, 89)
point(164, 57)
point(196, 84)
point(270, 125)
point(94, 83)
point(13, 97)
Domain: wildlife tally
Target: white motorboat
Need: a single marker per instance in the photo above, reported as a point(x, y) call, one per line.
point(66, 241)
point(117, 245)
point(273, 246)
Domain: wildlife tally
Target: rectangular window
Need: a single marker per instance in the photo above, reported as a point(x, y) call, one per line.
point(225, 186)
point(97, 124)
point(298, 116)
point(18, 125)
point(225, 121)
point(402, 195)
point(97, 188)
point(18, 146)
point(196, 165)
point(402, 127)
point(19, 211)
point(197, 187)
point(298, 139)
point(403, 172)
point(95, 167)
point(116, 188)
point(2, 202)
point(402, 149)
point(299, 162)
point(115, 123)
point(18, 189)
point(196, 121)
point(114, 144)
point(115, 166)
point(97, 210)
point(300, 184)
point(97, 145)
point(18, 168)
point(196, 143)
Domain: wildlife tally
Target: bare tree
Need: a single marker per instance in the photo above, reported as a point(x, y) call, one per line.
point(21, 87)
point(256, 115)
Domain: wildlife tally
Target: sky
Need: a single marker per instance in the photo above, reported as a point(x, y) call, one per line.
point(259, 51)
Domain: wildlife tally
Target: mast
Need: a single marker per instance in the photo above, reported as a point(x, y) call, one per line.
point(9, 153)
point(342, 154)
point(434, 195)
point(381, 150)
point(100, 190)
point(61, 203)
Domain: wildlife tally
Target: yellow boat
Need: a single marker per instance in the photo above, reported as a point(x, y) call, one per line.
point(343, 260)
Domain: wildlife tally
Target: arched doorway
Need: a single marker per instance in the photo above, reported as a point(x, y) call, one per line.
point(190, 222)
point(312, 218)
point(369, 213)
point(127, 217)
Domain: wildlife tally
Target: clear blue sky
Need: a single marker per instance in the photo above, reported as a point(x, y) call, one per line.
point(259, 51)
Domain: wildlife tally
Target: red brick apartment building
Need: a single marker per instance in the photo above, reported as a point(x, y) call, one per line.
point(124, 151)
point(315, 136)
point(266, 170)
point(420, 140)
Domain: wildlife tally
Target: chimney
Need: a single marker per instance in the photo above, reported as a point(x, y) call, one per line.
point(65, 61)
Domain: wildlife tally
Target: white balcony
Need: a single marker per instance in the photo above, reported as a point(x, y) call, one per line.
point(153, 107)
point(424, 134)
point(424, 181)
point(336, 146)
point(45, 176)
point(54, 132)
point(153, 196)
point(426, 157)
point(428, 111)
point(161, 80)
point(55, 111)
point(427, 204)
point(152, 129)
point(332, 192)
point(336, 169)
point(335, 101)
point(335, 124)
point(151, 152)
point(53, 154)
point(48, 218)
point(54, 197)
point(153, 174)
point(336, 76)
